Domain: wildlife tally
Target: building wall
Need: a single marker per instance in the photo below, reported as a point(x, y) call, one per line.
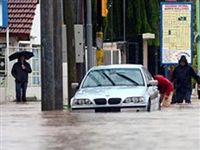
point(7, 89)
point(35, 32)
point(7, 93)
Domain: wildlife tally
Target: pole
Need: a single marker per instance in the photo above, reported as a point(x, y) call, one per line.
point(124, 20)
point(89, 34)
point(51, 52)
point(8, 66)
point(58, 72)
point(47, 56)
point(80, 66)
point(198, 39)
point(124, 31)
point(145, 53)
point(71, 59)
point(198, 33)
point(99, 34)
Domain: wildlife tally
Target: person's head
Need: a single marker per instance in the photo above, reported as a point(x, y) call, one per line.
point(183, 61)
point(21, 58)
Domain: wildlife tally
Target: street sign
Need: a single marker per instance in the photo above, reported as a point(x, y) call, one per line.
point(3, 13)
point(176, 31)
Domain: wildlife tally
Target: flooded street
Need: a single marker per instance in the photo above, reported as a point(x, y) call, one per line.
point(25, 127)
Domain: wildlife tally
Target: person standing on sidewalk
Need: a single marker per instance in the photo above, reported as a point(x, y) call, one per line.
point(182, 79)
point(166, 90)
point(20, 72)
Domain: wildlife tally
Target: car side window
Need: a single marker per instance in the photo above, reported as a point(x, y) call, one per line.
point(147, 74)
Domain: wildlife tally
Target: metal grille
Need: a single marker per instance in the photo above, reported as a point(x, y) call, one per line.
point(100, 101)
point(114, 101)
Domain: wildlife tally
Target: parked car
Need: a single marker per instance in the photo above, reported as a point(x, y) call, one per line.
point(117, 87)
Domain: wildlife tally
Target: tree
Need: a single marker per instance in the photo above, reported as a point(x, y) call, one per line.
point(152, 9)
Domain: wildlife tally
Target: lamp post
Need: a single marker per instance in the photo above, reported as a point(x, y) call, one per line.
point(90, 53)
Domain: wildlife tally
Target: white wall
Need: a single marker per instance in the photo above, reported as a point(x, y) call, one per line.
point(8, 94)
point(65, 84)
point(35, 31)
point(35, 91)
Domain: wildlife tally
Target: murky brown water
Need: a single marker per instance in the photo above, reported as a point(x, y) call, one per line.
point(25, 127)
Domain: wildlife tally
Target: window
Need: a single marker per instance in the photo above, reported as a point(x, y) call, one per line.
point(114, 77)
point(147, 74)
point(24, 46)
point(36, 66)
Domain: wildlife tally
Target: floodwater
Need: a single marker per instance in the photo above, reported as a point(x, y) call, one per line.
point(25, 127)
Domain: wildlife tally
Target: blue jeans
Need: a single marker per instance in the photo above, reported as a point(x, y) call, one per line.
point(21, 91)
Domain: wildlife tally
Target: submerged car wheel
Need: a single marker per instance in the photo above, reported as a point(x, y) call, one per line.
point(149, 106)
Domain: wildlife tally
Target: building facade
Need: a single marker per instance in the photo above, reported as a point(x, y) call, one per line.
point(23, 34)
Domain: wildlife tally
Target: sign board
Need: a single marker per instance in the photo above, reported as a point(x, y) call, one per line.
point(3, 13)
point(176, 31)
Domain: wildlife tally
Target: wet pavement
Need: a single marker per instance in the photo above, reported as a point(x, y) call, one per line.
point(25, 127)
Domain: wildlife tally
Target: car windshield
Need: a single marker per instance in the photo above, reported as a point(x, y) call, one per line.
point(114, 77)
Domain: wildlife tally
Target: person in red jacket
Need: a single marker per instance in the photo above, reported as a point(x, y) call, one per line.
point(166, 89)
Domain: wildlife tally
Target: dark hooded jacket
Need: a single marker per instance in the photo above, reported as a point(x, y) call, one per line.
point(182, 76)
point(19, 74)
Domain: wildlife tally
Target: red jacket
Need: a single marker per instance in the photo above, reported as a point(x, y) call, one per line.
point(164, 85)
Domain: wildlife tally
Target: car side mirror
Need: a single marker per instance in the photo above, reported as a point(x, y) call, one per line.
point(153, 83)
point(75, 85)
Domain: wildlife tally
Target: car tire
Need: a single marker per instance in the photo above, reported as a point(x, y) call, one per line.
point(149, 106)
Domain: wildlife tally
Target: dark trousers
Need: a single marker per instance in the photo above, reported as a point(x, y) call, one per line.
point(21, 91)
point(183, 95)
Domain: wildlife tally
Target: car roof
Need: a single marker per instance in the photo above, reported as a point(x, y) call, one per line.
point(114, 66)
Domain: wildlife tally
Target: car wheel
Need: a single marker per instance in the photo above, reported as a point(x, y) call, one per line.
point(149, 106)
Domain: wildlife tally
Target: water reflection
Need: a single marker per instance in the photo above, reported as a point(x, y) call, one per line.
point(26, 127)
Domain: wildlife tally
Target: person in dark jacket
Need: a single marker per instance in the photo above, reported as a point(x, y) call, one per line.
point(182, 79)
point(20, 72)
